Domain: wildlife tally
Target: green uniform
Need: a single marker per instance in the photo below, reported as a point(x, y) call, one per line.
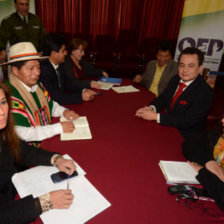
point(15, 30)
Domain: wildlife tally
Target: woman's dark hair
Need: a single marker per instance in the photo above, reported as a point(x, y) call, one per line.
point(8, 134)
point(75, 44)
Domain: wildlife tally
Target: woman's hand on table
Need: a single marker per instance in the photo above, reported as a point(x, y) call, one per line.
point(66, 165)
point(95, 85)
point(105, 74)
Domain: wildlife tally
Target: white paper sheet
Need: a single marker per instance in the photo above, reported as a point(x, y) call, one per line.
point(87, 203)
point(125, 89)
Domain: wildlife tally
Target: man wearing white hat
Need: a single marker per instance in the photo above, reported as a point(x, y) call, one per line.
point(32, 106)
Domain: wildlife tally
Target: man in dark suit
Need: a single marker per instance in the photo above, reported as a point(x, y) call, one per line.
point(186, 99)
point(159, 72)
point(53, 74)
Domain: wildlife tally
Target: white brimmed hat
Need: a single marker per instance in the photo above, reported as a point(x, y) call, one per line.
point(23, 51)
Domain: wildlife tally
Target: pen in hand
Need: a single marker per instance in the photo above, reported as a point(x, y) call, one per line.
point(68, 179)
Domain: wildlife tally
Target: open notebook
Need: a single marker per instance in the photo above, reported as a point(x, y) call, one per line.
point(82, 130)
point(178, 172)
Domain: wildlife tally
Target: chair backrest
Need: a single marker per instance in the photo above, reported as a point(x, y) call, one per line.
point(127, 44)
point(105, 45)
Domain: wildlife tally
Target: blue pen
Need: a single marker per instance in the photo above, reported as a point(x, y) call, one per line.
point(68, 178)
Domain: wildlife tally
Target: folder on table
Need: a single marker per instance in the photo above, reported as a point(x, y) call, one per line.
point(115, 81)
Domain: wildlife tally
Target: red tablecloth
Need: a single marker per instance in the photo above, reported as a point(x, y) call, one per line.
point(121, 161)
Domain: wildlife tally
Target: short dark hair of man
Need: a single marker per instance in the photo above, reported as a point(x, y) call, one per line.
point(19, 64)
point(52, 42)
point(165, 46)
point(193, 50)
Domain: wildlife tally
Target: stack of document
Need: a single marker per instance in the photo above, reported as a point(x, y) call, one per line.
point(178, 172)
point(82, 130)
point(87, 203)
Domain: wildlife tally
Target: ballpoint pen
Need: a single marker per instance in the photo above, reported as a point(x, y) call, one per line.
point(68, 178)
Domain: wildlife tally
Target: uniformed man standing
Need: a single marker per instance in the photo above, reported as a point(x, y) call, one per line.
point(19, 27)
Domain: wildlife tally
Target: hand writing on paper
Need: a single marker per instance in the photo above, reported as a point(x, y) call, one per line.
point(67, 126)
point(61, 199)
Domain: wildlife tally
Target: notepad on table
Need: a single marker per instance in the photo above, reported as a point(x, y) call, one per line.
point(178, 172)
point(105, 85)
point(125, 89)
point(82, 130)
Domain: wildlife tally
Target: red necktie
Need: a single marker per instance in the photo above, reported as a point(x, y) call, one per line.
point(178, 93)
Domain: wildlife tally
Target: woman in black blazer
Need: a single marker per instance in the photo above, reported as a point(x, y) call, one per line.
point(15, 154)
point(77, 68)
